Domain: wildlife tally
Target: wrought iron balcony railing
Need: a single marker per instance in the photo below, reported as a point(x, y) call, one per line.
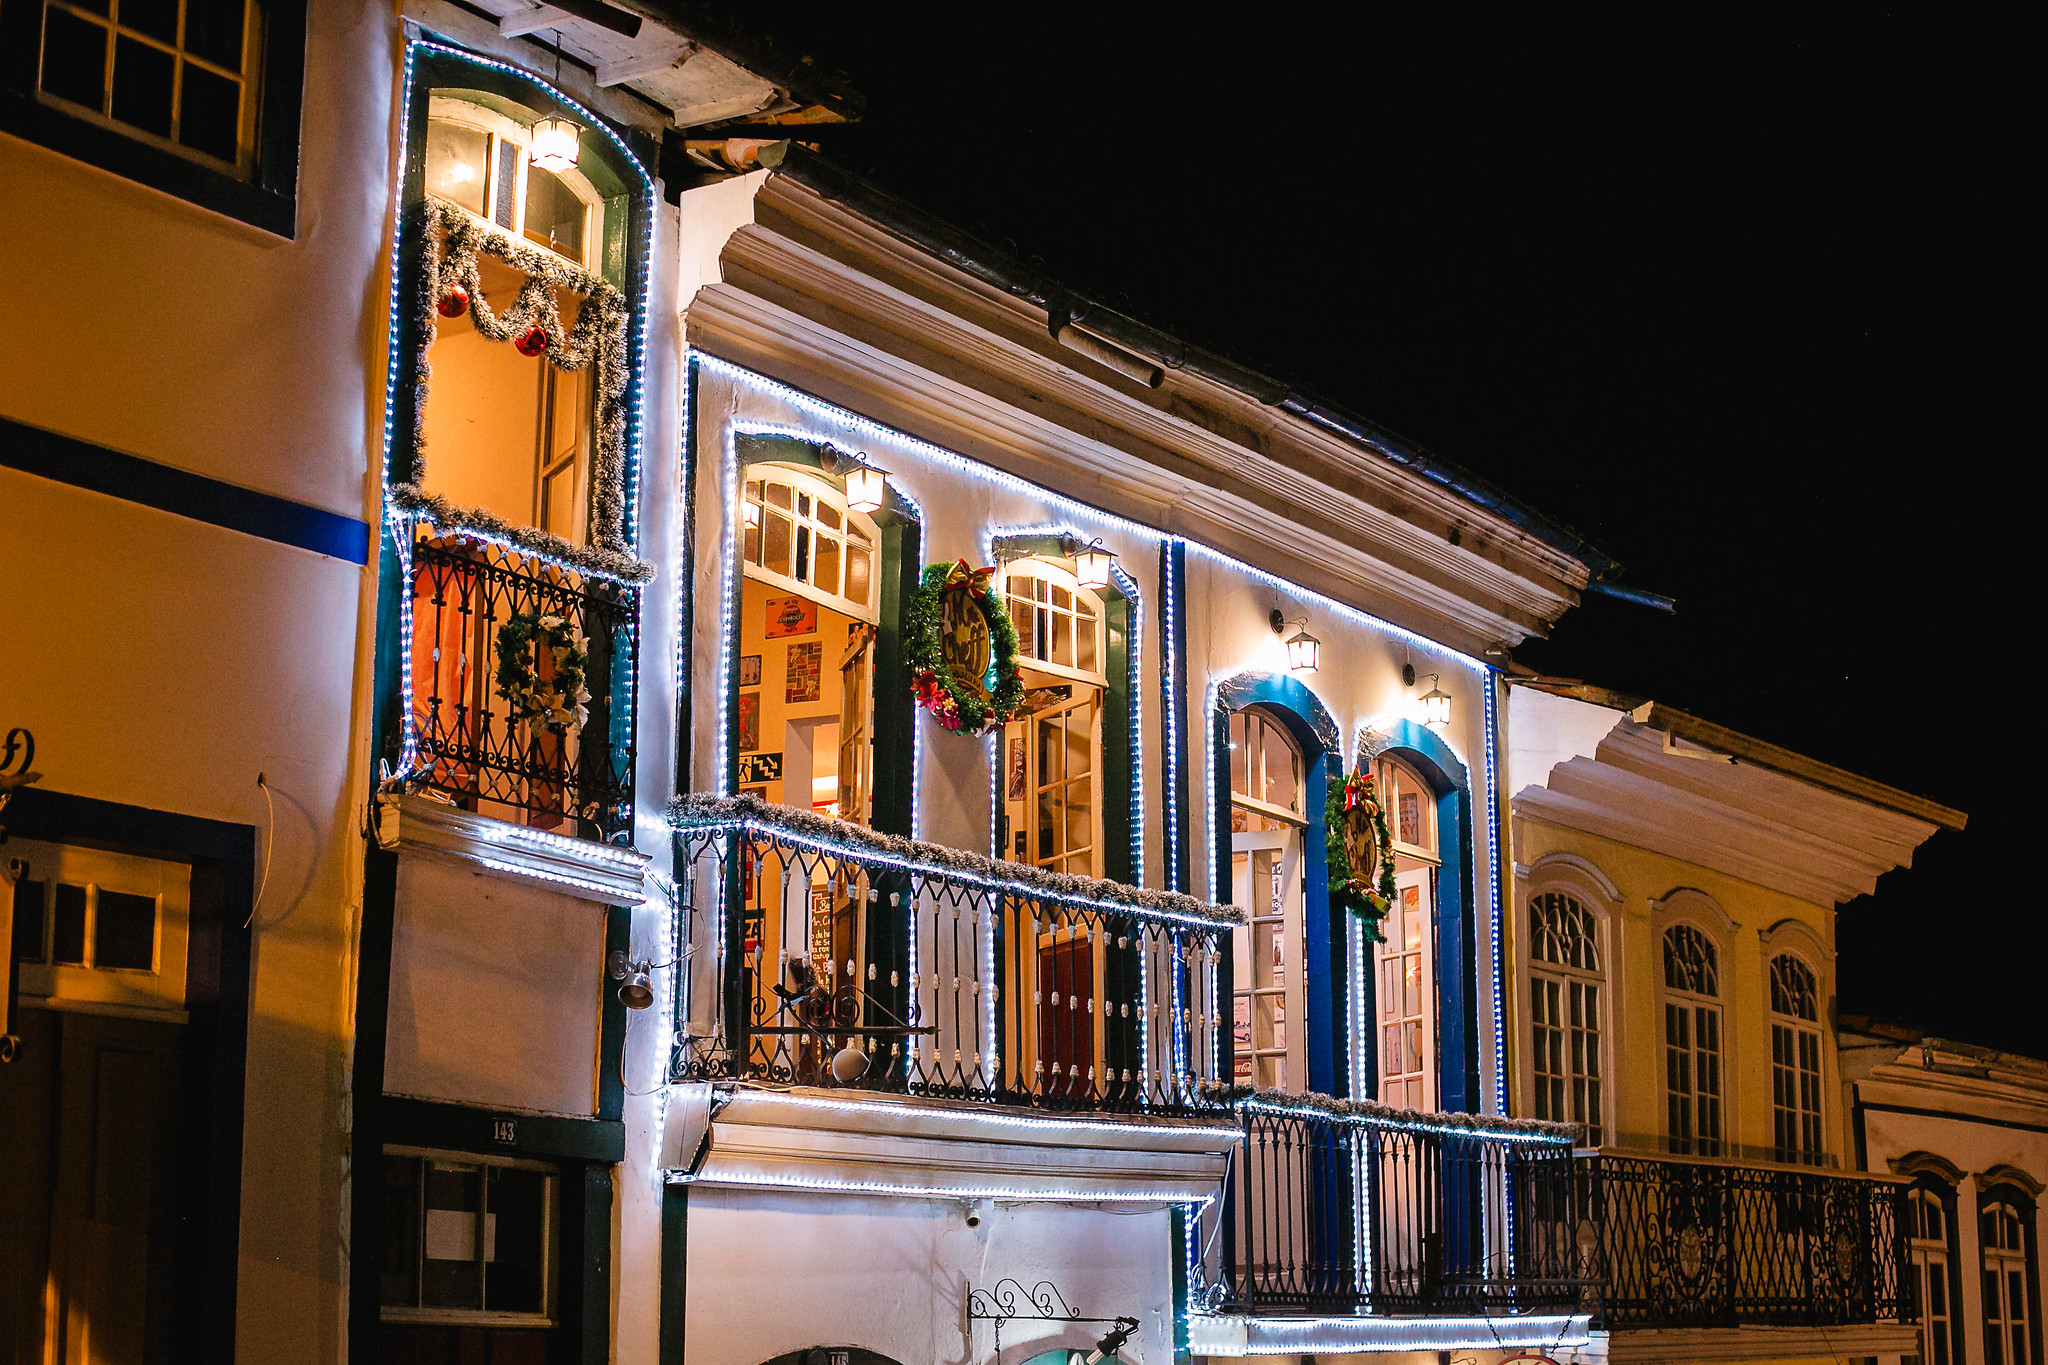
point(851, 958)
point(1344, 1208)
point(1676, 1242)
point(467, 742)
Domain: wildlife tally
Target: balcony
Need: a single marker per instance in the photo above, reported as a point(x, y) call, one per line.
point(1345, 1225)
point(570, 776)
point(859, 961)
point(1695, 1243)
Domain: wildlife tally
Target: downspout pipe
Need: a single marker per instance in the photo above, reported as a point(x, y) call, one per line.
point(1001, 270)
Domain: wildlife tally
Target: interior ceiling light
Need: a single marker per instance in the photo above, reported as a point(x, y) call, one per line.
point(1304, 651)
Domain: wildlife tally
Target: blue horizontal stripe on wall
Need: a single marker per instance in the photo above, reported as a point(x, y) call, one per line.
point(82, 464)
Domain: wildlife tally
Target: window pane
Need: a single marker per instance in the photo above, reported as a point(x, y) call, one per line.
point(457, 159)
point(209, 113)
point(507, 177)
point(399, 1277)
point(142, 86)
point(28, 920)
point(1062, 650)
point(828, 516)
point(826, 574)
point(453, 1275)
point(75, 59)
point(775, 545)
point(777, 494)
point(554, 215)
point(1085, 630)
point(157, 18)
point(857, 574)
point(213, 30)
point(67, 945)
point(516, 1277)
point(124, 932)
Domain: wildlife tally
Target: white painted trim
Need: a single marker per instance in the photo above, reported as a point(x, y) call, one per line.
point(574, 867)
point(1229, 1336)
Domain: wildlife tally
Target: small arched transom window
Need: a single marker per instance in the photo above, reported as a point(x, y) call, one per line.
point(1692, 1042)
point(1059, 623)
point(1565, 1003)
point(1797, 1131)
point(799, 533)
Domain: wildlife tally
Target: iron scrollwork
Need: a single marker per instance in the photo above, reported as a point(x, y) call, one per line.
point(1009, 1301)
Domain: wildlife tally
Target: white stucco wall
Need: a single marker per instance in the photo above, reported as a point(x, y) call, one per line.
point(772, 1272)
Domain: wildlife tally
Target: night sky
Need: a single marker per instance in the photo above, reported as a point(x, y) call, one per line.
point(1737, 305)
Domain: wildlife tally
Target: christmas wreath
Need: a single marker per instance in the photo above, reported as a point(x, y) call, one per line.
point(557, 701)
point(1360, 850)
point(966, 677)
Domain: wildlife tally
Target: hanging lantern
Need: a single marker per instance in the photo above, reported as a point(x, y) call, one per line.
point(1304, 651)
point(554, 145)
point(865, 487)
point(1092, 565)
point(1436, 708)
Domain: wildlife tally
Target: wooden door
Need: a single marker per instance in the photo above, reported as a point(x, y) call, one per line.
point(1067, 1014)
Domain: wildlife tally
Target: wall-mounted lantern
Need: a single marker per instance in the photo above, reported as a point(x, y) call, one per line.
point(866, 486)
point(1304, 651)
point(1091, 563)
point(1436, 704)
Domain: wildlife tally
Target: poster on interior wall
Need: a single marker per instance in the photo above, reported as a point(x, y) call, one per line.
point(750, 670)
point(749, 722)
point(804, 678)
point(1016, 768)
point(760, 767)
point(788, 616)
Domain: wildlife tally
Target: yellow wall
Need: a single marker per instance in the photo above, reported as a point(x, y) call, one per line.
point(1634, 1064)
point(776, 712)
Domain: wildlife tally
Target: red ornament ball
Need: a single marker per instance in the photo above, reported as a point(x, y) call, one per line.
point(454, 303)
point(533, 342)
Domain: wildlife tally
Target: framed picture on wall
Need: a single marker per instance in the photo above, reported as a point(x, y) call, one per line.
point(789, 616)
point(750, 670)
point(749, 709)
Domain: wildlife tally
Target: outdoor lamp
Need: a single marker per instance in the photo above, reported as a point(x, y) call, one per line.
point(1436, 706)
point(865, 486)
point(554, 144)
point(638, 991)
point(1304, 651)
point(1091, 565)
point(1107, 1348)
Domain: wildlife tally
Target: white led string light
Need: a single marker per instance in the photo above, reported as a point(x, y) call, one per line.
point(1480, 1131)
point(1500, 1070)
point(1171, 719)
point(1215, 1336)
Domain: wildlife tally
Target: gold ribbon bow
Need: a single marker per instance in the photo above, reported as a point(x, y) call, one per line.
point(974, 580)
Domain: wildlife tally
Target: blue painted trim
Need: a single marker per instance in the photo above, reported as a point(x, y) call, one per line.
point(1309, 721)
point(95, 468)
point(1173, 705)
point(1456, 948)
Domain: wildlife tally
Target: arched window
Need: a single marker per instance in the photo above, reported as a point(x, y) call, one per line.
point(1927, 1231)
point(1692, 1042)
point(2008, 1275)
point(799, 534)
point(1565, 1002)
point(1266, 827)
point(1795, 1061)
point(1407, 959)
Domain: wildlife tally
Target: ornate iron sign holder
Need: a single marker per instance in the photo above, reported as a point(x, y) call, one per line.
point(17, 757)
point(1043, 1302)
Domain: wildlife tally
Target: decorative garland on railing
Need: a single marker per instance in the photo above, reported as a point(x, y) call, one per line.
point(449, 285)
point(1355, 832)
point(699, 811)
point(1479, 1124)
point(932, 681)
point(559, 701)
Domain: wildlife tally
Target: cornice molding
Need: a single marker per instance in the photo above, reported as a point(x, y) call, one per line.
point(755, 334)
point(858, 1143)
point(572, 867)
point(1682, 1346)
point(799, 212)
